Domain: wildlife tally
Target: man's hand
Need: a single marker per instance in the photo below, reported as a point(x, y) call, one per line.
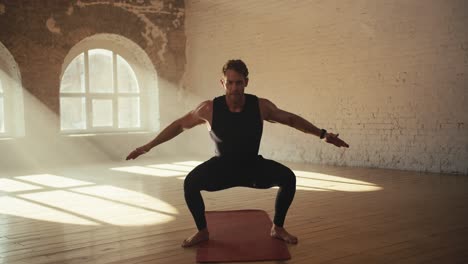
point(335, 140)
point(137, 152)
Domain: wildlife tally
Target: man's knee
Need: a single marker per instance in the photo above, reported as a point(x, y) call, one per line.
point(288, 178)
point(191, 183)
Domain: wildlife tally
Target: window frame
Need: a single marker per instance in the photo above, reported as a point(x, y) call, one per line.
point(13, 101)
point(2, 97)
point(9, 115)
point(114, 97)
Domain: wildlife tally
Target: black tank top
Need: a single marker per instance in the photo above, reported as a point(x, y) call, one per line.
point(236, 135)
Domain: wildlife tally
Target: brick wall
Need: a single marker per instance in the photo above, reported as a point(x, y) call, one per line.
point(40, 34)
point(389, 76)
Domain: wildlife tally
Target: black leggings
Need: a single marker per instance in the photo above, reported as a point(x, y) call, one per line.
point(219, 173)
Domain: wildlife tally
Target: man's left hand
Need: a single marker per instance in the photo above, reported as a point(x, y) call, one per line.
point(335, 140)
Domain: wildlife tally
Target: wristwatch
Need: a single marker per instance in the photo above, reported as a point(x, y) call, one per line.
point(323, 133)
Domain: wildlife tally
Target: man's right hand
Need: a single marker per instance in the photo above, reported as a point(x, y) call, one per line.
point(135, 153)
point(335, 140)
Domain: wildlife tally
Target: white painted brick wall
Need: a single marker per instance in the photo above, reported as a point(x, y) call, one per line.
point(389, 76)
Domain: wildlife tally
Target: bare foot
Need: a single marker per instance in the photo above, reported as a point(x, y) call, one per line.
point(196, 238)
point(281, 233)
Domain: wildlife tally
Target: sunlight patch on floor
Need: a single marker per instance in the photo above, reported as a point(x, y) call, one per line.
point(174, 167)
point(149, 171)
point(66, 200)
point(21, 208)
point(9, 185)
point(102, 210)
point(306, 180)
point(128, 197)
point(53, 180)
point(162, 170)
point(190, 163)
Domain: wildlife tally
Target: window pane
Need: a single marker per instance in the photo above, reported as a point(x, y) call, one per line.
point(129, 112)
point(100, 71)
point(102, 112)
point(2, 117)
point(72, 113)
point(126, 78)
point(73, 79)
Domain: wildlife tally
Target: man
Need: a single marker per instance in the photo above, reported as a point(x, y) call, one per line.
point(235, 122)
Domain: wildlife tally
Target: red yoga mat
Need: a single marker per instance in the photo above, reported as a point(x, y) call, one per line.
point(242, 235)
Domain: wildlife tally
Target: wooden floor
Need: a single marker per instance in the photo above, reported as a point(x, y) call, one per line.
point(134, 212)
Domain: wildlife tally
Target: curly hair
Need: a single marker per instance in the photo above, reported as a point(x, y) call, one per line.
point(236, 65)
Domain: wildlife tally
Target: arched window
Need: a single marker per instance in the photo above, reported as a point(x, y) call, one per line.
point(11, 96)
point(103, 90)
point(2, 111)
point(99, 91)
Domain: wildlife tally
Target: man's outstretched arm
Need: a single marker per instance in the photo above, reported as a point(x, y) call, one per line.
point(189, 120)
point(273, 114)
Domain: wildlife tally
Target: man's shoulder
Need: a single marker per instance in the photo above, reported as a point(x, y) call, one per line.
point(203, 110)
point(264, 101)
point(205, 105)
point(253, 96)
